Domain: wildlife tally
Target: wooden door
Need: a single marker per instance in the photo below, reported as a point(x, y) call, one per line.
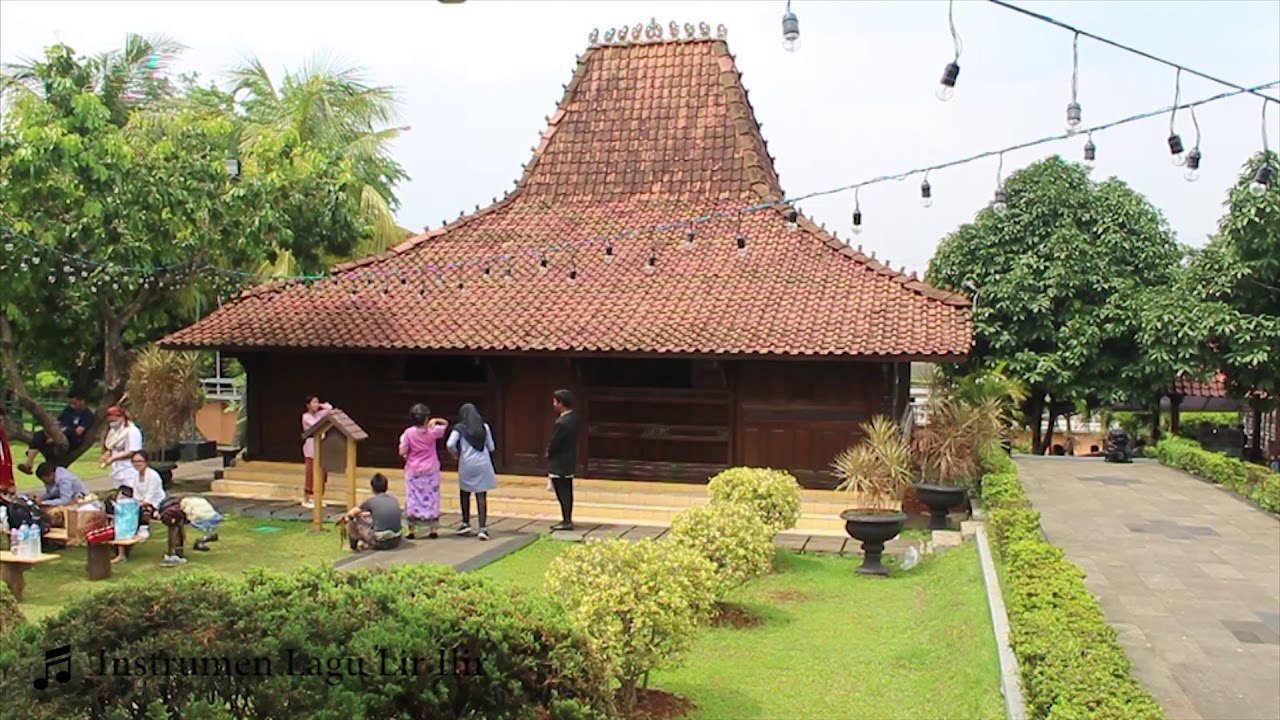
point(527, 416)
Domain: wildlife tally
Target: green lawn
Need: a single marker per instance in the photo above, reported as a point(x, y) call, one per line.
point(836, 644)
point(239, 547)
point(86, 467)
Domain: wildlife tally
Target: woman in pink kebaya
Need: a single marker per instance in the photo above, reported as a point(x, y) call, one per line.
point(422, 469)
point(310, 416)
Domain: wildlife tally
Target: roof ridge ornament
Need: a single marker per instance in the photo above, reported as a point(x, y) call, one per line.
point(653, 33)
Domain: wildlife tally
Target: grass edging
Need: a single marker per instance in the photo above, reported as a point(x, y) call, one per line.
point(1071, 662)
point(1255, 483)
point(1015, 704)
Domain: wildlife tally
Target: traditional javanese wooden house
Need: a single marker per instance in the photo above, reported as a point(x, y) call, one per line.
point(686, 354)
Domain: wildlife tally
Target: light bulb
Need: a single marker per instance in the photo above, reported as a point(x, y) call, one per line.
point(506, 276)
point(793, 218)
point(1178, 157)
point(857, 222)
point(8, 247)
point(35, 260)
point(949, 76)
point(542, 266)
point(742, 246)
point(998, 205)
point(1073, 117)
point(1261, 181)
point(1090, 154)
point(53, 279)
point(1193, 165)
point(652, 265)
point(790, 32)
point(608, 254)
point(688, 240)
point(926, 194)
point(573, 276)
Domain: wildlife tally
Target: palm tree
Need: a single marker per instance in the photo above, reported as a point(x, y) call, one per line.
point(125, 79)
point(327, 104)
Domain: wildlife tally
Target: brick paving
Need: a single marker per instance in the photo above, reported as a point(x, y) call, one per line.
point(1186, 572)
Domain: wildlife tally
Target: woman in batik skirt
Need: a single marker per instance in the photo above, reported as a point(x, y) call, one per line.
point(422, 469)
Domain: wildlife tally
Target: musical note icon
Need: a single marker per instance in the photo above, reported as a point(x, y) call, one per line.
point(52, 658)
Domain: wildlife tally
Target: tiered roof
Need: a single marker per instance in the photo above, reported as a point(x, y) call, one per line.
point(650, 131)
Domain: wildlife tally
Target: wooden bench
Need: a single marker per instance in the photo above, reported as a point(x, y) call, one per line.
point(14, 570)
point(56, 534)
point(229, 453)
point(98, 557)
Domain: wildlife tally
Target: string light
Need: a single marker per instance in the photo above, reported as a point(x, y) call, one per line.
point(651, 265)
point(793, 221)
point(573, 275)
point(926, 192)
point(1073, 108)
point(543, 265)
point(608, 253)
point(1262, 181)
point(790, 30)
point(998, 205)
point(107, 274)
point(1175, 140)
point(742, 239)
point(689, 237)
point(1098, 38)
point(952, 72)
point(1090, 153)
point(857, 213)
point(1193, 158)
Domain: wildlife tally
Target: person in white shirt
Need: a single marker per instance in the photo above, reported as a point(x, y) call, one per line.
point(123, 439)
point(147, 486)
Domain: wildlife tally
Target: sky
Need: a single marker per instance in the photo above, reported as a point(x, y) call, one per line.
point(476, 81)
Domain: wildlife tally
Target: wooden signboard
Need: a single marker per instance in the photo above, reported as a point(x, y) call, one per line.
point(336, 436)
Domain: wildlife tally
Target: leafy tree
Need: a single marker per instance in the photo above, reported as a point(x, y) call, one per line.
point(150, 204)
point(333, 108)
point(1056, 277)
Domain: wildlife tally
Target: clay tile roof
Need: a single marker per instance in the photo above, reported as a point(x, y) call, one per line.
point(1216, 387)
point(339, 420)
point(647, 133)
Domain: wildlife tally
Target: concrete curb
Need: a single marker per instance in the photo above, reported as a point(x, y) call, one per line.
point(1010, 678)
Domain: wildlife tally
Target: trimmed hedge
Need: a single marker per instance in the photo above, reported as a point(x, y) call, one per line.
point(773, 494)
point(1072, 665)
point(1259, 484)
point(533, 660)
point(732, 537)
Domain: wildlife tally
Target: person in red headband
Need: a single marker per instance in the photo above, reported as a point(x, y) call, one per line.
point(123, 439)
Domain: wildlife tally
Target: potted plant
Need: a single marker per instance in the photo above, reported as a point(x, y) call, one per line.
point(164, 394)
point(963, 416)
point(876, 473)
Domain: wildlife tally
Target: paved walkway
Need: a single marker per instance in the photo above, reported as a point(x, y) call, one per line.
point(1187, 573)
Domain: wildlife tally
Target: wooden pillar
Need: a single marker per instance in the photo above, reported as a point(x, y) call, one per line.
point(351, 473)
point(1175, 414)
point(317, 485)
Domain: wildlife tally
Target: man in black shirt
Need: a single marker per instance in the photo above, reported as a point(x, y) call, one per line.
point(75, 420)
point(562, 455)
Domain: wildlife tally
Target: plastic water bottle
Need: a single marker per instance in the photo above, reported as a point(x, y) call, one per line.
point(36, 541)
point(24, 544)
point(13, 540)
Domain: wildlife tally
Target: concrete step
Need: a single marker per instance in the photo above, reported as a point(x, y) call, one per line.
point(593, 506)
point(293, 472)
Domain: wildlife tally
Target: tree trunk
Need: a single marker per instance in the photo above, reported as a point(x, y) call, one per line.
point(9, 358)
point(1255, 451)
point(1035, 415)
point(1175, 414)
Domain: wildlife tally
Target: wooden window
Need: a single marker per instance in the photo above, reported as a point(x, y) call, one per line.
point(444, 369)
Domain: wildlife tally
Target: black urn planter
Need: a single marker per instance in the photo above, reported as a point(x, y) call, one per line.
point(873, 530)
point(165, 471)
point(193, 450)
point(940, 499)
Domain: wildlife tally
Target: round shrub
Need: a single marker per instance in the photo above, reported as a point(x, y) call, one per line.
point(10, 612)
point(318, 644)
point(731, 536)
point(641, 603)
point(773, 494)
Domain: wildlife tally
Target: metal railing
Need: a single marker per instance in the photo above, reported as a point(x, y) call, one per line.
point(220, 389)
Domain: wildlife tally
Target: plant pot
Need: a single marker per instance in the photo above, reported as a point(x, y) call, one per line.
point(873, 530)
point(171, 454)
point(940, 499)
point(193, 450)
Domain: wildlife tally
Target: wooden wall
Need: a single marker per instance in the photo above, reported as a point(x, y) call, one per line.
point(660, 419)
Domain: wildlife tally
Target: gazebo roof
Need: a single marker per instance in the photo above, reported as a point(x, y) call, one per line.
point(649, 132)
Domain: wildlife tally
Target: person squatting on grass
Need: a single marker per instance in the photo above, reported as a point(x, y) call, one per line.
point(178, 512)
point(375, 523)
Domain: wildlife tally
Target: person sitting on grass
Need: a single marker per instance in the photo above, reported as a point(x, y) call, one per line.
point(61, 486)
point(376, 523)
point(176, 513)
